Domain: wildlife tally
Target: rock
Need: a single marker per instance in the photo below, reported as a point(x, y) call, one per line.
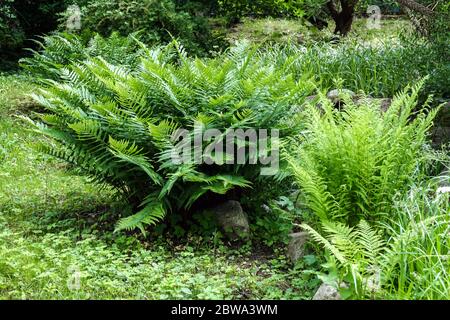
point(327, 292)
point(373, 283)
point(336, 96)
point(441, 129)
point(296, 246)
point(232, 219)
point(384, 103)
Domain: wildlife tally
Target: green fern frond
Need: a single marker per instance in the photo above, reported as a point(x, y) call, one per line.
point(152, 212)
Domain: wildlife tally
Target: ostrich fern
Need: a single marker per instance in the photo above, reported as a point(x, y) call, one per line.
point(351, 164)
point(115, 124)
point(354, 256)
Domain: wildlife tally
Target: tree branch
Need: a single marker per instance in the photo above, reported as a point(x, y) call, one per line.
point(414, 6)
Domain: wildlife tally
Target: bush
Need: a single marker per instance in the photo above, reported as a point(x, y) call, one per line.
point(351, 164)
point(115, 125)
point(11, 34)
point(158, 21)
point(62, 49)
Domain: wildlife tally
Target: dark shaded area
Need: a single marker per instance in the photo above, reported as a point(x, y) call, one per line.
point(32, 19)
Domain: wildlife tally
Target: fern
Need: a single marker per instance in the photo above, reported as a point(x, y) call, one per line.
point(116, 123)
point(357, 251)
point(350, 164)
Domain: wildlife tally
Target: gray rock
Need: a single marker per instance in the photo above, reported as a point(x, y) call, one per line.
point(337, 95)
point(373, 283)
point(296, 246)
point(327, 292)
point(232, 219)
point(384, 103)
point(440, 132)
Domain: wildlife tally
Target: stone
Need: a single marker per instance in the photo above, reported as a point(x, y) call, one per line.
point(232, 219)
point(296, 246)
point(336, 96)
point(384, 103)
point(373, 283)
point(327, 292)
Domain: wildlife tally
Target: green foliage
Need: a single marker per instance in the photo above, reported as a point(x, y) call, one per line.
point(368, 67)
point(55, 267)
point(56, 226)
point(274, 225)
point(116, 126)
point(235, 9)
point(272, 31)
point(354, 257)
point(24, 19)
point(416, 265)
point(351, 163)
point(387, 7)
point(62, 49)
point(412, 264)
point(157, 20)
point(11, 34)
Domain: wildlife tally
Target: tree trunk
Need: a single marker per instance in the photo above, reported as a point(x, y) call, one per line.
point(344, 22)
point(344, 18)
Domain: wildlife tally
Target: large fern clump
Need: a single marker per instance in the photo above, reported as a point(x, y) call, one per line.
point(116, 124)
point(350, 164)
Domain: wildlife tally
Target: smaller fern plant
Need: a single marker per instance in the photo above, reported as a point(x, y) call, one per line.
point(353, 257)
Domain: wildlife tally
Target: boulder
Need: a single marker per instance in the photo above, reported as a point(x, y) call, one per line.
point(296, 246)
point(336, 96)
point(232, 220)
point(384, 103)
point(327, 292)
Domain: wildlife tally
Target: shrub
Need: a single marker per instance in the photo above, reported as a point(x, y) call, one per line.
point(351, 164)
point(158, 21)
point(115, 125)
point(11, 34)
point(62, 49)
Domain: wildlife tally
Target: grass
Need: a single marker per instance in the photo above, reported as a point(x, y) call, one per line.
point(56, 240)
point(379, 62)
point(270, 30)
point(284, 31)
point(418, 264)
